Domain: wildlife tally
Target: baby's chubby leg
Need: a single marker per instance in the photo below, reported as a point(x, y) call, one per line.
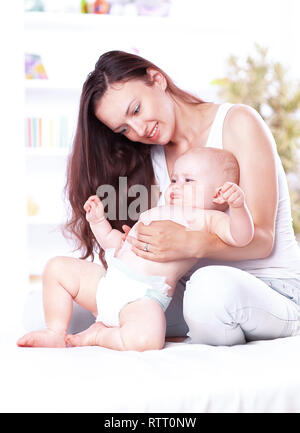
point(64, 279)
point(142, 327)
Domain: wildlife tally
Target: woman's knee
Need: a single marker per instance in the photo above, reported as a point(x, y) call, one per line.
point(213, 282)
point(212, 289)
point(211, 294)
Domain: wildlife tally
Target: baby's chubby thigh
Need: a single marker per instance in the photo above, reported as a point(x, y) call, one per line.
point(143, 325)
point(79, 278)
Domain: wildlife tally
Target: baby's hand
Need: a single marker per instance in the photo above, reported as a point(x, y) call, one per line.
point(126, 229)
point(230, 193)
point(94, 210)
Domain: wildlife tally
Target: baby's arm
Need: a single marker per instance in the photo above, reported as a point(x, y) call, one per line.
point(236, 229)
point(103, 232)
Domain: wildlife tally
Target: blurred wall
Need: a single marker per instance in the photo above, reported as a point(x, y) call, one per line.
point(191, 47)
point(13, 257)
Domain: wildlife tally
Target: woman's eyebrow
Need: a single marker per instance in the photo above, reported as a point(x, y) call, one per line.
point(126, 114)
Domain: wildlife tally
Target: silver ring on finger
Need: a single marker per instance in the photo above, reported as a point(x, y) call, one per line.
point(145, 248)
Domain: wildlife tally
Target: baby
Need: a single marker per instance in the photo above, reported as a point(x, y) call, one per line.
point(135, 292)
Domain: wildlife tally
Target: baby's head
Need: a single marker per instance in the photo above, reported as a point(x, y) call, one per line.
point(197, 174)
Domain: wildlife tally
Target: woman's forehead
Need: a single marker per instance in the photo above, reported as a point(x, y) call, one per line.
point(114, 103)
point(122, 90)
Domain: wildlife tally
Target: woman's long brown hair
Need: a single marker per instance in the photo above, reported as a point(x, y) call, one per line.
point(100, 156)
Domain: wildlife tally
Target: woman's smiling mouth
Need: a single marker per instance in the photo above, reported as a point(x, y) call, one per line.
point(154, 133)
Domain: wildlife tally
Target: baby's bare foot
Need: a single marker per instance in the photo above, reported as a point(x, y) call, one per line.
point(87, 337)
point(45, 338)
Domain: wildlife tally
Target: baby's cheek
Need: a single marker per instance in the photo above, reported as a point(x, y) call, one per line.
point(167, 194)
point(188, 195)
point(197, 194)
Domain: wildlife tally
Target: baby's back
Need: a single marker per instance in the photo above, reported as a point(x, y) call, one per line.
point(171, 270)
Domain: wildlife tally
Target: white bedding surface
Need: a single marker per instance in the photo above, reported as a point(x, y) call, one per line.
point(257, 377)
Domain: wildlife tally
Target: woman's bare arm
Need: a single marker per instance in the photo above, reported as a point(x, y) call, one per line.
point(247, 136)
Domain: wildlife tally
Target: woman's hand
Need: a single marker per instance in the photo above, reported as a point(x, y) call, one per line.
point(161, 241)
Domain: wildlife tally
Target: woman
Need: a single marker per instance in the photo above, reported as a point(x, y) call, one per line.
point(133, 123)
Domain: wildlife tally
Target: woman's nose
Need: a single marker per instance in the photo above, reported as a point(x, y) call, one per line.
point(139, 127)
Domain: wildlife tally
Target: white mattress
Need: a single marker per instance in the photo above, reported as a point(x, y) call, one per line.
point(257, 377)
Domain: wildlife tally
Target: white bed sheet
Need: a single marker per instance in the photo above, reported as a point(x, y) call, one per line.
point(257, 377)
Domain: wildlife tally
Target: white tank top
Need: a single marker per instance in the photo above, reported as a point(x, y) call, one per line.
point(284, 261)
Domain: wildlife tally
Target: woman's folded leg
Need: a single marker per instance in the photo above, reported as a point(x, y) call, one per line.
point(223, 305)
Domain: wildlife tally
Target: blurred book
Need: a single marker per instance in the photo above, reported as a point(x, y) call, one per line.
point(34, 68)
point(49, 132)
point(33, 5)
point(32, 207)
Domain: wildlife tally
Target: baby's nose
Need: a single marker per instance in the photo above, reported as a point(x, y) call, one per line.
point(174, 187)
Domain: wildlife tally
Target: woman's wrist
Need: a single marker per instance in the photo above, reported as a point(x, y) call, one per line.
point(195, 245)
point(201, 244)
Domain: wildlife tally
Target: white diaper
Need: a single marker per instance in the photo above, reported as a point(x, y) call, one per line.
point(121, 285)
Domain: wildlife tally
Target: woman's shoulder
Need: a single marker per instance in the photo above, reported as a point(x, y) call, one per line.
point(241, 113)
point(243, 124)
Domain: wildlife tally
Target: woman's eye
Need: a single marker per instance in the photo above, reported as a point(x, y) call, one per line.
point(189, 180)
point(123, 131)
point(137, 109)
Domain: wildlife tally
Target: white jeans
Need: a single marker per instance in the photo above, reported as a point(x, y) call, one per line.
point(223, 305)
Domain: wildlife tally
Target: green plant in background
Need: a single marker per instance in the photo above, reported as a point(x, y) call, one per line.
point(263, 84)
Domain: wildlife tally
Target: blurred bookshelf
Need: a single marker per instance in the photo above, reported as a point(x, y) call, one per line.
point(65, 47)
point(46, 152)
point(51, 104)
point(50, 85)
point(58, 21)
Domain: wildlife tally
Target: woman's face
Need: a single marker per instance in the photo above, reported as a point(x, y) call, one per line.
point(140, 112)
